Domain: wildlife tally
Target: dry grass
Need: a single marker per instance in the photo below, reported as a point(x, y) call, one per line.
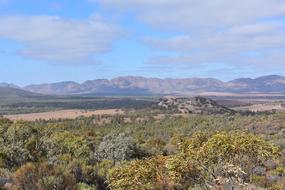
point(62, 114)
point(253, 94)
point(263, 107)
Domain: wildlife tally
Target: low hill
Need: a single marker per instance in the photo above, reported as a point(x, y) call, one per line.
point(265, 84)
point(4, 84)
point(12, 93)
point(196, 105)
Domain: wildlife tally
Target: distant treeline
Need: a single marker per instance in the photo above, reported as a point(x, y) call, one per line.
point(39, 105)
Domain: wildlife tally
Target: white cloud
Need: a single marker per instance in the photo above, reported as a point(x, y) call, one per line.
point(185, 14)
point(257, 28)
point(211, 31)
point(231, 46)
point(59, 39)
point(235, 39)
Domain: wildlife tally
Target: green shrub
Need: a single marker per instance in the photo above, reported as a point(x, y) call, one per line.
point(258, 180)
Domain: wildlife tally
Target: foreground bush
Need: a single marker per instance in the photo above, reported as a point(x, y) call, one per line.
point(210, 162)
point(20, 143)
point(65, 146)
point(140, 174)
point(118, 147)
point(42, 177)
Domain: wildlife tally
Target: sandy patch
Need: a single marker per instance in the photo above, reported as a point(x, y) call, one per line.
point(62, 114)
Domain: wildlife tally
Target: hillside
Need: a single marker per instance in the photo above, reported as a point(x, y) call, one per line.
point(8, 93)
point(130, 85)
point(265, 84)
point(4, 84)
point(196, 105)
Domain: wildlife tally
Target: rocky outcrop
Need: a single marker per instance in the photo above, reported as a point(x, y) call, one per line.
point(196, 105)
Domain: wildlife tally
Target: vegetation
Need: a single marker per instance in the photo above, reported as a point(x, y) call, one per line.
point(144, 149)
point(16, 105)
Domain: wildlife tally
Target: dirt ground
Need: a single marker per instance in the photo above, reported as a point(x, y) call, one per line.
point(62, 114)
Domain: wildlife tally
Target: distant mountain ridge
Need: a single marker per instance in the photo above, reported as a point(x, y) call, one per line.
point(4, 84)
point(10, 92)
point(130, 85)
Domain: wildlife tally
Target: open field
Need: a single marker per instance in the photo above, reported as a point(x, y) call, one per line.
point(48, 107)
point(62, 114)
point(256, 103)
point(10, 106)
point(262, 107)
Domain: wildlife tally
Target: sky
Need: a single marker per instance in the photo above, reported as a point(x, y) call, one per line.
point(43, 41)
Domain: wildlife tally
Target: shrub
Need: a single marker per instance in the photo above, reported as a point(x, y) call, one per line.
point(213, 161)
point(258, 180)
point(83, 186)
point(237, 148)
point(139, 174)
point(20, 143)
point(65, 146)
point(118, 147)
point(42, 176)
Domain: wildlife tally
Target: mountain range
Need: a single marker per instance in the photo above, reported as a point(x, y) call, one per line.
point(130, 85)
point(7, 92)
point(4, 84)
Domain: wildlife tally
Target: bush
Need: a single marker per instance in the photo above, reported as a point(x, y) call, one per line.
point(83, 186)
point(245, 150)
point(258, 180)
point(215, 161)
point(20, 143)
point(139, 174)
point(118, 147)
point(65, 146)
point(42, 177)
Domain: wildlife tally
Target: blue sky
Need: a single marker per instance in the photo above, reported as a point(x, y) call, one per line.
point(78, 40)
